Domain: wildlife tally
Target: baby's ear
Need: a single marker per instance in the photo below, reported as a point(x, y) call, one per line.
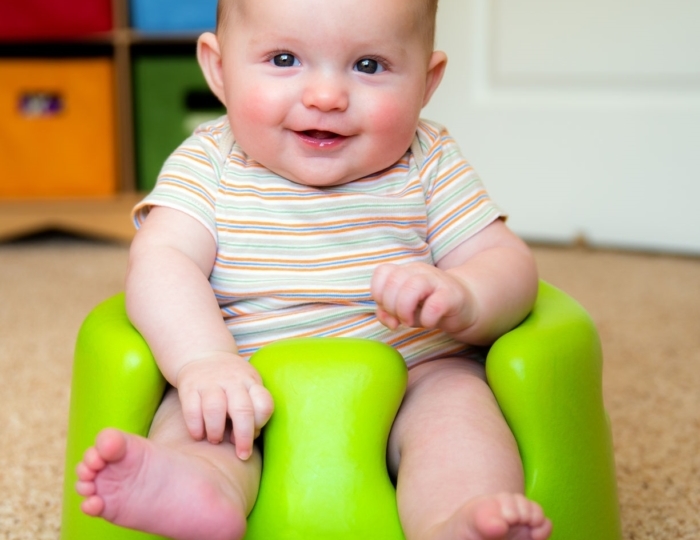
point(209, 57)
point(436, 69)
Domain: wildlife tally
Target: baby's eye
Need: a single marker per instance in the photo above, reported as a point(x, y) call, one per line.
point(369, 65)
point(285, 60)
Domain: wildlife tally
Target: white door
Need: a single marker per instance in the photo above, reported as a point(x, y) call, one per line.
point(582, 116)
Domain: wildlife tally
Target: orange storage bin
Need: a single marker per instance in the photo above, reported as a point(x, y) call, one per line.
point(57, 133)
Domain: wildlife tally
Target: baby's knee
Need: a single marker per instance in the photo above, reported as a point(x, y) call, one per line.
point(447, 373)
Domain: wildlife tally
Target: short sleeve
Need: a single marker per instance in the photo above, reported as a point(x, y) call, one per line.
point(189, 179)
point(458, 205)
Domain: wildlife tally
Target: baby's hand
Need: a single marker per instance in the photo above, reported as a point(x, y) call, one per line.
point(220, 386)
point(421, 295)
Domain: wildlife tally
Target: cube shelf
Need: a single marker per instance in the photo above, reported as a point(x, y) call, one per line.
point(171, 98)
point(45, 19)
point(173, 15)
point(51, 114)
point(78, 72)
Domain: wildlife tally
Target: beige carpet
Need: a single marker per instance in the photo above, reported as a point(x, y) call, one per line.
point(647, 309)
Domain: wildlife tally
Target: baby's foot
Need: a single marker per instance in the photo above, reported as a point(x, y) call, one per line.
point(132, 482)
point(506, 516)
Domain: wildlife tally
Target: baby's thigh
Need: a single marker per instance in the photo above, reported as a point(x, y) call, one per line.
point(240, 478)
point(168, 423)
point(448, 409)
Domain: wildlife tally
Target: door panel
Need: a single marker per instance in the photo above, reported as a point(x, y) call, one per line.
point(583, 118)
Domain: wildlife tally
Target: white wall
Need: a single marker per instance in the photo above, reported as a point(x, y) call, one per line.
point(582, 116)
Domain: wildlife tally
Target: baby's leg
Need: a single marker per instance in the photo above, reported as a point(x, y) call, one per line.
point(169, 484)
point(458, 468)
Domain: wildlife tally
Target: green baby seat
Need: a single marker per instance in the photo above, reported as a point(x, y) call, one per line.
point(324, 469)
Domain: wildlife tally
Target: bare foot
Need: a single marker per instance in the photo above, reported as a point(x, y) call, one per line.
point(130, 481)
point(505, 516)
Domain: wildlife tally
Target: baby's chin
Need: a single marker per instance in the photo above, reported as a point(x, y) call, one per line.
point(318, 180)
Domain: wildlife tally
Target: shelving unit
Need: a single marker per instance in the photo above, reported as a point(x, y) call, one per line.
point(100, 217)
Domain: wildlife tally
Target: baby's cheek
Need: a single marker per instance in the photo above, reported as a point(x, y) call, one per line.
point(395, 122)
point(254, 106)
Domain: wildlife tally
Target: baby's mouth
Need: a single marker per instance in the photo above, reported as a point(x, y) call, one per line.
point(320, 135)
point(319, 138)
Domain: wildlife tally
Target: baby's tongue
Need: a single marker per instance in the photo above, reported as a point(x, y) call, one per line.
point(318, 134)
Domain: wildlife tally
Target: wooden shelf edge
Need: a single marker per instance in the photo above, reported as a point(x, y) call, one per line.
point(103, 218)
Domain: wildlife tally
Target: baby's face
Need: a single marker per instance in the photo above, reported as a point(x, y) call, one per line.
point(324, 92)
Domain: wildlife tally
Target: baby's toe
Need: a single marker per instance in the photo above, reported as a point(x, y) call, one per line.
point(93, 460)
point(85, 473)
point(85, 489)
point(93, 506)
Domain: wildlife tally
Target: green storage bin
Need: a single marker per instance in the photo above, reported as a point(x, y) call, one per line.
point(171, 98)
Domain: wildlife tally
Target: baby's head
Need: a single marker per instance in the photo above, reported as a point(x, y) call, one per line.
point(323, 92)
point(424, 12)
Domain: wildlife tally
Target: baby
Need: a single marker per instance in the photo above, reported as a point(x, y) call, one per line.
point(320, 205)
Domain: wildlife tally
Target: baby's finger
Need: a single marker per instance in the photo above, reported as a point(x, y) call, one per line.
point(263, 405)
point(214, 414)
point(390, 280)
point(391, 322)
point(379, 277)
point(435, 308)
point(191, 404)
point(242, 415)
point(410, 298)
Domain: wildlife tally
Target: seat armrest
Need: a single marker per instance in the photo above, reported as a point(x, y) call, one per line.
point(546, 375)
point(116, 383)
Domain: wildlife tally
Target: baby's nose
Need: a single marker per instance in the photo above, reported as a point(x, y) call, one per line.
point(326, 93)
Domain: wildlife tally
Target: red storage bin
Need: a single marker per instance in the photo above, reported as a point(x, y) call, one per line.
point(49, 19)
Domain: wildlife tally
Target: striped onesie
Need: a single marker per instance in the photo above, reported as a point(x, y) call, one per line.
point(297, 261)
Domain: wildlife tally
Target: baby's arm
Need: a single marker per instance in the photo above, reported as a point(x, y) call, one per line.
point(170, 301)
point(477, 292)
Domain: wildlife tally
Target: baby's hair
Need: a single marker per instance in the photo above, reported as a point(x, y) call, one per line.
point(431, 15)
point(220, 13)
point(224, 6)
